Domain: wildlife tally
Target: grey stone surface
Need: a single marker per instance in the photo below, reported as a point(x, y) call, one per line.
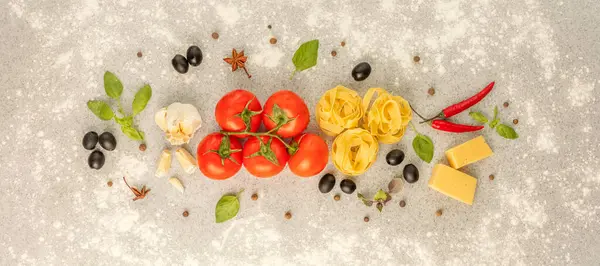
point(541, 209)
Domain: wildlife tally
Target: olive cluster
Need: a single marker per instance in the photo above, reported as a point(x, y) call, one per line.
point(107, 141)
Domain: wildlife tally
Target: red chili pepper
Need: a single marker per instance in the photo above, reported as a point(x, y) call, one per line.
point(461, 106)
point(464, 105)
point(447, 126)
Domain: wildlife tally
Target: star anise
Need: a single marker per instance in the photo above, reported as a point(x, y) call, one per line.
point(237, 60)
point(139, 194)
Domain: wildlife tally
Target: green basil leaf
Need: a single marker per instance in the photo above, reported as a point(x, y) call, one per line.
point(423, 147)
point(495, 120)
point(126, 121)
point(380, 206)
point(227, 208)
point(380, 196)
point(101, 110)
point(306, 56)
point(494, 123)
point(112, 85)
point(479, 117)
point(141, 99)
point(132, 133)
point(506, 131)
point(365, 201)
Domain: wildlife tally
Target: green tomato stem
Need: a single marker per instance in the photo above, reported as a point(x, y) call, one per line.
point(257, 134)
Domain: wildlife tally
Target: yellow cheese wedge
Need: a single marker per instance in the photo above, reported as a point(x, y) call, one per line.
point(468, 152)
point(453, 183)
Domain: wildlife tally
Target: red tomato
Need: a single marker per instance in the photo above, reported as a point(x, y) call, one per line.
point(219, 156)
point(291, 109)
point(311, 156)
point(262, 159)
point(237, 111)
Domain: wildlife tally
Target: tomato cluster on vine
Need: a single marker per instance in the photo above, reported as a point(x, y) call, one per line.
point(264, 154)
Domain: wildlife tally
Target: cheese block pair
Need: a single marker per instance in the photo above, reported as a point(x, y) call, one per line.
point(454, 183)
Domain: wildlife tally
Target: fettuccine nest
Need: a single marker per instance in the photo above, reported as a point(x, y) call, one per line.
point(339, 109)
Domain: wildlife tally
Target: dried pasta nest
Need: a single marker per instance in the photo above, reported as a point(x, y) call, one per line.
point(339, 109)
point(354, 151)
point(388, 116)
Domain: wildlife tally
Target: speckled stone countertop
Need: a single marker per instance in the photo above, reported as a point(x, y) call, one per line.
point(542, 208)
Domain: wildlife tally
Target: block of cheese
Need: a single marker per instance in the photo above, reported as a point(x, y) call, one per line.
point(468, 152)
point(453, 183)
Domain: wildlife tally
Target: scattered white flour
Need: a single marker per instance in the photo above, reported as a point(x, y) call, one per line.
point(581, 93)
point(313, 16)
point(63, 58)
point(388, 5)
point(228, 13)
point(89, 8)
point(529, 108)
point(268, 57)
point(545, 141)
point(57, 224)
point(17, 9)
point(132, 167)
point(189, 261)
point(48, 145)
point(64, 107)
point(345, 24)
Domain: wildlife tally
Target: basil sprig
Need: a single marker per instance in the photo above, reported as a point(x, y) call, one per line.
point(503, 130)
point(114, 88)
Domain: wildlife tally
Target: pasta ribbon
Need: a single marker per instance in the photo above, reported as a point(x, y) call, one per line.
point(354, 151)
point(388, 116)
point(339, 109)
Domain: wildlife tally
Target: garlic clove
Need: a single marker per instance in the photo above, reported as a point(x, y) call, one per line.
point(177, 184)
point(186, 160)
point(161, 119)
point(164, 163)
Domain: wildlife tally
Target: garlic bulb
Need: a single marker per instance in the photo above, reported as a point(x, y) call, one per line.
point(179, 122)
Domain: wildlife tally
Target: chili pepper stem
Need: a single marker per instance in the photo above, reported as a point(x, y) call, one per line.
point(440, 115)
point(415, 111)
point(424, 119)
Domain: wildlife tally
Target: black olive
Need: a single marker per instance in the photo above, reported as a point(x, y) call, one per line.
point(361, 71)
point(107, 141)
point(394, 157)
point(180, 64)
point(348, 186)
point(194, 55)
point(411, 173)
point(326, 183)
point(90, 140)
point(96, 160)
